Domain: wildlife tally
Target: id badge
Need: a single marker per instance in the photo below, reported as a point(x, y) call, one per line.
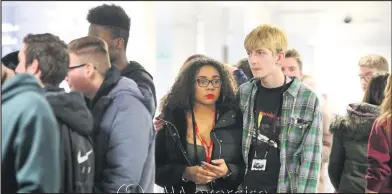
point(259, 164)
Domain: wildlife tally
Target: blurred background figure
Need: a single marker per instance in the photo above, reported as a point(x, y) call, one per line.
point(370, 65)
point(243, 64)
point(347, 166)
point(378, 174)
point(292, 64)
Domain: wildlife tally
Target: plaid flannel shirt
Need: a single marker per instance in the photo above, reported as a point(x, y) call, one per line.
point(300, 138)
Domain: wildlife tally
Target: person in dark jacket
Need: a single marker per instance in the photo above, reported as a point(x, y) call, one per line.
point(11, 60)
point(30, 143)
point(123, 133)
point(199, 147)
point(237, 73)
point(46, 57)
point(379, 171)
point(111, 23)
point(243, 64)
point(347, 162)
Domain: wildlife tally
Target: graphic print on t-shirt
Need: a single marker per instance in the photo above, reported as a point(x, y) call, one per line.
point(266, 128)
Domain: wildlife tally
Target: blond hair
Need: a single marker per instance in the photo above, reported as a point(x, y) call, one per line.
point(292, 53)
point(92, 49)
point(374, 61)
point(266, 36)
point(385, 108)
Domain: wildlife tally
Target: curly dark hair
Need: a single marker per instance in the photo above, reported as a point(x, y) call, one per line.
point(112, 17)
point(181, 95)
point(52, 54)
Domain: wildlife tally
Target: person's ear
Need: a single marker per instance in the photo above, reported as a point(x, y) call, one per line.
point(120, 43)
point(280, 57)
point(89, 70)
point(34, 67)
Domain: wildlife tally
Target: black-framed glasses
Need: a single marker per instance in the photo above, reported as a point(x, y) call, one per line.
point(367, 77)
point(216, 83)
point(77, 66)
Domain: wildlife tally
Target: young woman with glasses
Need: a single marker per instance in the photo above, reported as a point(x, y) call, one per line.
point(199, 147)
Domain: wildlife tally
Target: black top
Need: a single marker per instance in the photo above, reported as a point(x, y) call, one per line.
point(267, 146)
point(173, 153)
point(145, 82)
point(201, 154)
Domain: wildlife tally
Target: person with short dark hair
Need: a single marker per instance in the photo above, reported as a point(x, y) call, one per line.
point(112, 24)
point(30, 143)
point(124, 137)
point(347, 162)
point(243, 64)
point(46, 57)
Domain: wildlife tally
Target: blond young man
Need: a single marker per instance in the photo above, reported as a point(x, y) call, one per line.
point(370, 65)
point(285, 117)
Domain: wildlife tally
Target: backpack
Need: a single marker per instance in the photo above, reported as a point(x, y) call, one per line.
point(78, 161)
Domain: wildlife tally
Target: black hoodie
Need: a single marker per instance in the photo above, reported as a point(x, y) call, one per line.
point(76, 127)
point(144, 81)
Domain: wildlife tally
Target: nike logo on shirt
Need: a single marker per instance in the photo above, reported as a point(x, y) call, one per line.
point(84, 158)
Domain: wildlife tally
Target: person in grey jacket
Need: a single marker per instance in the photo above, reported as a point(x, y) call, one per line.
point(123, 132)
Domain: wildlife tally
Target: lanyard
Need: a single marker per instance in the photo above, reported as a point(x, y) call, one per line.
point(274, 123)
point(207, 149)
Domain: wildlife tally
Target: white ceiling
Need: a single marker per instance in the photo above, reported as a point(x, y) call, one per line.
point(371, 21)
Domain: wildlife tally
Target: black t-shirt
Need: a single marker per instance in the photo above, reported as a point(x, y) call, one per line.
point(267, 106)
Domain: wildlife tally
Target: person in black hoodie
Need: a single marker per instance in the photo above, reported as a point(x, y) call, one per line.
point(111, 23)
point(46, 57)
point(199, 147)
point(347, 162)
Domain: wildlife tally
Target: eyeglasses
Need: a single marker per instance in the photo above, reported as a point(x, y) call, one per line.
point(77, 66)
point(216, 83)
point(366, 77)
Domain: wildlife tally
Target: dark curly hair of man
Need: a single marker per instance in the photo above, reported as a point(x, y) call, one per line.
point(112, 17)
point(182, 94)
